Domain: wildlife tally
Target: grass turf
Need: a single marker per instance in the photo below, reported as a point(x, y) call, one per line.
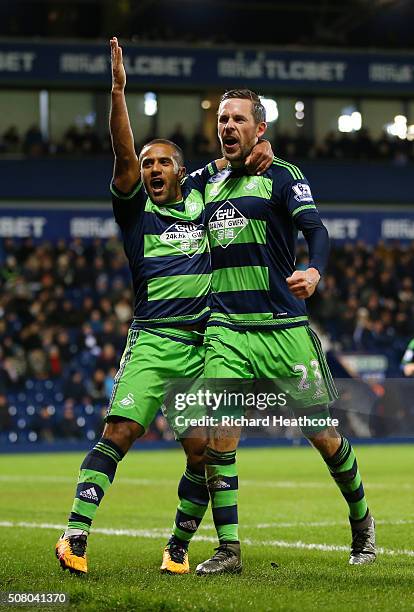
point(287, 500)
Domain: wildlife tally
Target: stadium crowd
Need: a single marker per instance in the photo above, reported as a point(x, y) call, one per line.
point(65, 310)
point(335, 146)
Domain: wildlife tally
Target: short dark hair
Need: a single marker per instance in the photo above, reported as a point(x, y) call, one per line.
point(178, 152)
point(258, 110)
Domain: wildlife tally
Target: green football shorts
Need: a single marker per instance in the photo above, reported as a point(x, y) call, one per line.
point(151, 360)
point(290, 358)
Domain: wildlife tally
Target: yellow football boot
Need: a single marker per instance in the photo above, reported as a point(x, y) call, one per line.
point(71, 552)
point(175, 560)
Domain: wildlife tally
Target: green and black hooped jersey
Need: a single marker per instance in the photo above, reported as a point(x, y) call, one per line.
point(252, 232)
point(168, 254)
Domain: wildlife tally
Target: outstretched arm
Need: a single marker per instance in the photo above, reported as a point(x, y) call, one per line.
point(126, 169)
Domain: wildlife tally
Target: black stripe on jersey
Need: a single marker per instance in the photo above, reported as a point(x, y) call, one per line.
point(239, 255)
point(167, 309)
point(167, 265)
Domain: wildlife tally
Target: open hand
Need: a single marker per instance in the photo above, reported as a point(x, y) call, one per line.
point(260, 158)
point(117, 66)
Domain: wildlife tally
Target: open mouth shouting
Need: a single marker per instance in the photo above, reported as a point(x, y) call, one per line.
point(230, 144)
point(157, 186)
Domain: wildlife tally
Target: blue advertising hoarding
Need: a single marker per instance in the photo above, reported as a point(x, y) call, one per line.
point(86, 64)
point(74, 221)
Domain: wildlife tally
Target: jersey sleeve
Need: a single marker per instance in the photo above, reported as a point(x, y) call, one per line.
point(294, 193)
point(199, 178)
point(127, 206)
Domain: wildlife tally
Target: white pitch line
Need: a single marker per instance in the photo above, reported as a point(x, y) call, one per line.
point(323, 524)
point(160, 534)
point(276, 484)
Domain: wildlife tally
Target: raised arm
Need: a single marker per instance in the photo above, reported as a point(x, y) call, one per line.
point(126, 168)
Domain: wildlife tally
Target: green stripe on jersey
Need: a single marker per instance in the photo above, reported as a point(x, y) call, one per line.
point(239, 187)
point(193, 207)
point(176, 287)
point(253, 233)
point(255, 319)
point(294, 170)
point(305, 207)
point(244, 278)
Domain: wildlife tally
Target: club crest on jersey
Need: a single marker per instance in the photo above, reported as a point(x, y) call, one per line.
point(226, 224)
point(303, 192)
point(184, 237)
point(251, 185)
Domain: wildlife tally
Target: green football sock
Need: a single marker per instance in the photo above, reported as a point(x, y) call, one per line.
point(96, 475)
point(222, 483)
point(194, 498)
point(343, 467)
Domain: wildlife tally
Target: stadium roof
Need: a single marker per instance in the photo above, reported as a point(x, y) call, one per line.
point(351, 23)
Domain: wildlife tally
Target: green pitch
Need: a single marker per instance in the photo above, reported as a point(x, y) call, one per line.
point(291, 515)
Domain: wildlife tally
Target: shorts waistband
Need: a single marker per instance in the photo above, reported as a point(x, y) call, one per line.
point(180, 335)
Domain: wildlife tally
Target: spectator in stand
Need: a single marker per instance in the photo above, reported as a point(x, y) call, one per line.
point(90, 143)
point(179, 138)
point(75, 387)
point(5, 419)
point(33, 144)
point(11, 140)
point(43, 424)
point(72, 140)
point(96, 387)
point(67, 426)
point(200, 143)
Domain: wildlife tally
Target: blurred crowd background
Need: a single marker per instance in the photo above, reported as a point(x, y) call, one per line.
point(65, 310)
point(334, 146)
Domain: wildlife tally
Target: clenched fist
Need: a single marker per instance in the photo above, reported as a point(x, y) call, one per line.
point(303, 283)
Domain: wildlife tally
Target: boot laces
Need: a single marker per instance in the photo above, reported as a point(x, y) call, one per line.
point(177, 553)
point(78, 545)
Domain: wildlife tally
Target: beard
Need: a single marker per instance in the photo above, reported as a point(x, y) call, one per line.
point(239, 155)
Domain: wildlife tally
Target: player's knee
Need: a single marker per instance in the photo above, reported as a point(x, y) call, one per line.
point(195, 449)
point(326, 441)
point(196, 462)
point(123, 432)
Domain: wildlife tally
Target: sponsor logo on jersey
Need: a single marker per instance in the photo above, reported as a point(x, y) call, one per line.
point(89, 494)
point(251, 185)
point(187, 238)
point(192, 207)
point(303, 192)
point(128, 400)
point(226, 224)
